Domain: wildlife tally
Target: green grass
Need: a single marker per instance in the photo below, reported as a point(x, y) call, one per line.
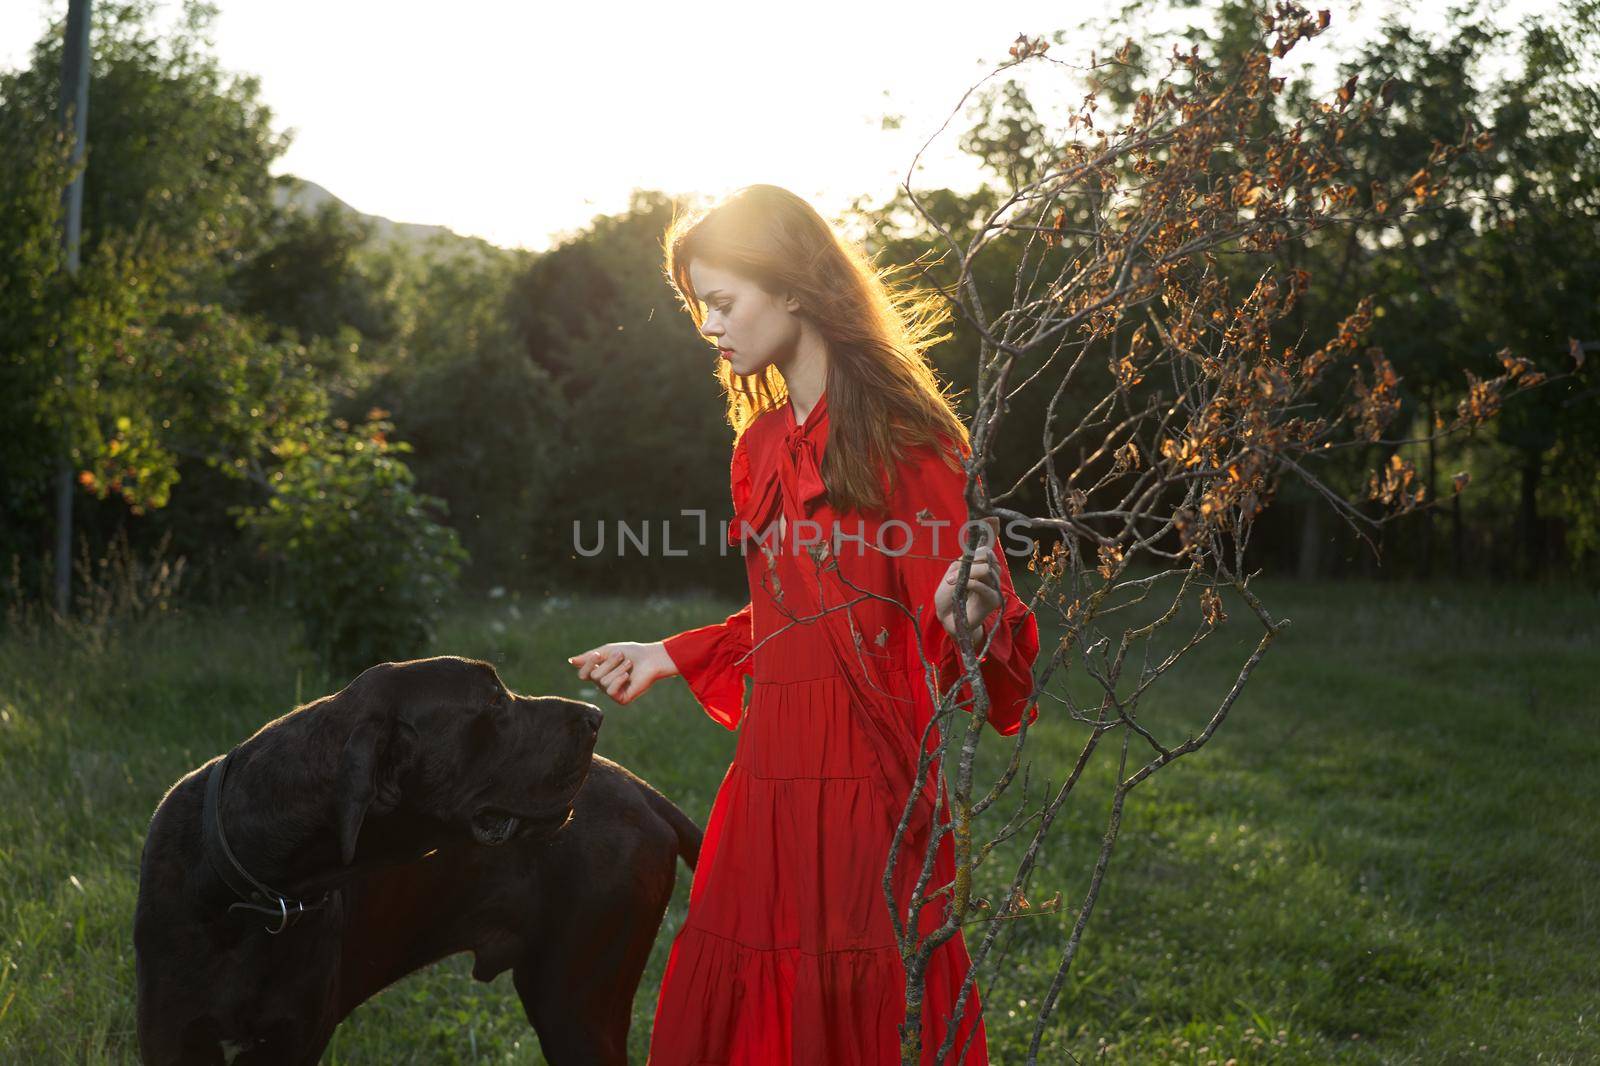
point(1389, 854)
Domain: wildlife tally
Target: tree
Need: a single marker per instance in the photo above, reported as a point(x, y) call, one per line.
point(309, 280)
point(1532, 281)
point(1189, 413)
point(184, 204)
point(32, 302)
point(1446, 298)
point(162, 215)
point(594, 315)
point(197, 351)
point(483, 428)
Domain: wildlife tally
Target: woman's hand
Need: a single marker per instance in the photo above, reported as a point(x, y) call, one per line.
point(983, 593)
point(625, 670)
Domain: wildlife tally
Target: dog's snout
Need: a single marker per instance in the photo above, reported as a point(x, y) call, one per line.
point(576, 718)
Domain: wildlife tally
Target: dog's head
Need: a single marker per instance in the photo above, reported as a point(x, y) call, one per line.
point(440, 749)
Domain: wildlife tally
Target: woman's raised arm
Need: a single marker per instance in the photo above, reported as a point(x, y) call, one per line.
point(932, 497)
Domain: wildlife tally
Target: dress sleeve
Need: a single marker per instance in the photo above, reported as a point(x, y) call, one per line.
point(931, 500)
point(715, 659)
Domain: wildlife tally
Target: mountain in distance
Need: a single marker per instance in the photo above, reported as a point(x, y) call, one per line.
point(308, 196)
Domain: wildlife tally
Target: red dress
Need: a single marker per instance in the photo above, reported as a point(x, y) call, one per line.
point(787, 955)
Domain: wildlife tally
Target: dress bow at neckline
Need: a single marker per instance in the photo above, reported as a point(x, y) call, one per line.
point(789, 466)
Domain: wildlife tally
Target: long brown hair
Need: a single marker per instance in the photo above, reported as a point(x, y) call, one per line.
point(882, 394)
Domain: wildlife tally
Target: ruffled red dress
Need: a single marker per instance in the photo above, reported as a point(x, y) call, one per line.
point(787, 955)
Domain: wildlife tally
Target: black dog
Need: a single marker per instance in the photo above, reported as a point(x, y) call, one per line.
point(363, 810)
point(573, 918)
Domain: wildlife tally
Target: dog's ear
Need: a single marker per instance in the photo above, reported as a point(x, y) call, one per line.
point(357, 783)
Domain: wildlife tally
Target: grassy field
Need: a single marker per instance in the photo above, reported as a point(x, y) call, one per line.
point(1389, 854)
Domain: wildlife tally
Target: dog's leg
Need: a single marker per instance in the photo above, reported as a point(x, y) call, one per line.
point(579, 996)
point(596, 1036)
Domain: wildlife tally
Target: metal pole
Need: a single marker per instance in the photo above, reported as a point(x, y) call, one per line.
point(74, 117)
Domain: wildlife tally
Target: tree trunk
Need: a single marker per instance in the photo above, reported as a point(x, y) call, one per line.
point(1458, 537)
point(1425, 564)
point(75, 121)
point(1310, 561)
point(1531, 546)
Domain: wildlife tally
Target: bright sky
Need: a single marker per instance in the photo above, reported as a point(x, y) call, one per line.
point(520, 121)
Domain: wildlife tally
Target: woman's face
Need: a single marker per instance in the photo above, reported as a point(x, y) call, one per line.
point(752, 327)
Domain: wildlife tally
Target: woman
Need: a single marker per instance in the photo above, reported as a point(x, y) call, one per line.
point(848, 501)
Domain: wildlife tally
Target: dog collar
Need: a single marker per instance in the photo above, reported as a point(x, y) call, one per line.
point(253, 894)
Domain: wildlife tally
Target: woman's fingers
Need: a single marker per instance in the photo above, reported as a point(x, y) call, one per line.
point(984, 588)
point(617, 682)
point(583, 658)
point(984, 593)
point(979, 573)
point(596, 662)
point(630, 689)
point(611, 669)
point(591, 663)
point(983, 558)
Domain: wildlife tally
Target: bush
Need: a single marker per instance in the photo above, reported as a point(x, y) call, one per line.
point(364, 563)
